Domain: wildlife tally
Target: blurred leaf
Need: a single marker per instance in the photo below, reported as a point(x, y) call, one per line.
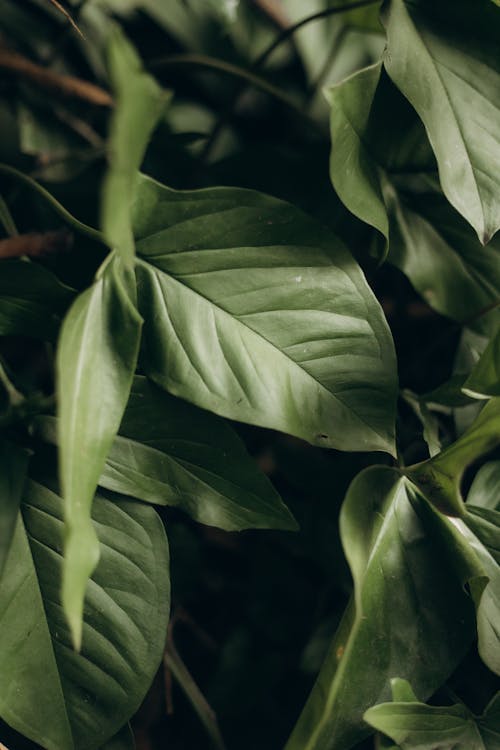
point(124, 740)
point(429, 422)
point(96, 359)
point(171, 453)
point(430, 48)
point(13, 467)
point(258, 313)
point(57, 697)
point(410, 615)
point(140, 102)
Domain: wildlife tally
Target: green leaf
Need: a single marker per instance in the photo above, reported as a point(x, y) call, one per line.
point(410, 615)
point(57, 697)
point(484, 380)
point(439, 478)
point(13, 467)
point(485, 489)
point(429, 421)
point(96, 359)
point(171, 453)
point(32, 300)
point(258, 313)
point(140, 103)
point(124, 740)
point(416, 726)
point(430, 48)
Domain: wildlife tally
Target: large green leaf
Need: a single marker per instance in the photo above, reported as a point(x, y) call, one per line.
point(382, 168)
point(13, 467)
point(256, 312)
point(140, 102)
point(96, 359)
point(416, 726)
point(61, 699)
point(32, 300)
point(410, 615)
point(485, 489)
point(452, 77)
point(172, 453)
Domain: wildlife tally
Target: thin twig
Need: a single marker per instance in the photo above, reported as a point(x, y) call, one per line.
point(65, 13)
point(56, 82)
point(35, 244)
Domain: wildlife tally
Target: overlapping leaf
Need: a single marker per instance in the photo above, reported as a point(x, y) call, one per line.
point(55, 696)
point(410, 615)
point(484, 379)
point(256, 312)
point(383, 170)
point(13, 467)
point(169, 452)
point(452, 78)
point(416, 726)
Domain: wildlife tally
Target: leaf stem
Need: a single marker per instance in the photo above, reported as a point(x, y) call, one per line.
point(6, 219)
point(78, 225)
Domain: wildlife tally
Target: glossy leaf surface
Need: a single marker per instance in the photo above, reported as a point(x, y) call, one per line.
point(97, 354)
point(452, 79)
point(258, 313)
point(410, 615)
point(169, 452)
point(86, 697)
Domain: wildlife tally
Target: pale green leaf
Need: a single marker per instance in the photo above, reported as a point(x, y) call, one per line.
point(139, 103)
point(258, 313)
point(57, 697)
point(96, 359)
point(485, 489)
point(452, 77)
point(410, 616)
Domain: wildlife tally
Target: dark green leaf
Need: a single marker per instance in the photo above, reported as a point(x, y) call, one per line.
point(57, 697)
point(430, 48)
point(410, 616)
point(256, 312)
point(96, 360)
point(171, 453)
point(13, 467)
point(484, 379)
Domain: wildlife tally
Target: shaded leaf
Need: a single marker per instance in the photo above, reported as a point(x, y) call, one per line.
point(484, 379)
point(32, 300)
point(57, 697)
point(485, 489)
point(97, 354)
point(430, 48)
point(13, 467)
point(410, 615)
point(171, 453)
point(258, 313)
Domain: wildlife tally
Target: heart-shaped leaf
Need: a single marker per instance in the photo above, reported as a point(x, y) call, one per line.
point(57, 697)
point(258, 313)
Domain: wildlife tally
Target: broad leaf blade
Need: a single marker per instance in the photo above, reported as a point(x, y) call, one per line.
point(430, 49)
point(13, 467)
point(411, 616)
point(256, 312)
point(96, 360)
point(484, 380)
point(79, 701)
point(485, 489)
point(140, 102)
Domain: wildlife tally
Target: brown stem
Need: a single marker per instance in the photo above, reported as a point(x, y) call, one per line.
point(35, 244)
point(56, 82)
point(65, 13)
